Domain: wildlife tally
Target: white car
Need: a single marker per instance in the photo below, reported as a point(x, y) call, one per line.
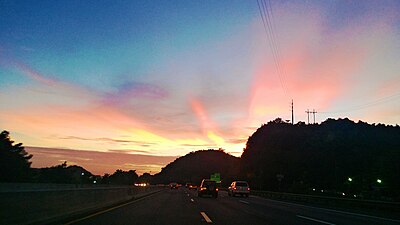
point(239, 187)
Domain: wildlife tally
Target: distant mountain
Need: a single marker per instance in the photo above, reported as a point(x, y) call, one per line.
point(298, 158)
point(198, 165)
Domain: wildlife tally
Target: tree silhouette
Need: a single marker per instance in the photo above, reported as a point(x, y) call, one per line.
point(298, 158)
point(14, 160)
point(123, 177)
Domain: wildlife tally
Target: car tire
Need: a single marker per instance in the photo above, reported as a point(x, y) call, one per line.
point(199, 195)
point(215, 195)
point(247, 195)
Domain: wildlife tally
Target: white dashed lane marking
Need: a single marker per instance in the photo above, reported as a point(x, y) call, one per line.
point(208, 220)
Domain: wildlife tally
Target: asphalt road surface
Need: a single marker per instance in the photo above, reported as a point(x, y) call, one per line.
point(182, 206)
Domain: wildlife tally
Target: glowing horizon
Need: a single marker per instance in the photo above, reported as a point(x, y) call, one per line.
point(162, 83)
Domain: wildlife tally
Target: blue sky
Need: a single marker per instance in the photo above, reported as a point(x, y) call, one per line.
point(164, 78)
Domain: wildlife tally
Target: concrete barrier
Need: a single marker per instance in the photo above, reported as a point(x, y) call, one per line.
point(45, 203)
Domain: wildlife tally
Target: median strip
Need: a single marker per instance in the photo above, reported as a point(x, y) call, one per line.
point(315, 220)
point(208, 220)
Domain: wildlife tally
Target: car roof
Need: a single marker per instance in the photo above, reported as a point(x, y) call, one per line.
point(208, 180)
point(241, 181)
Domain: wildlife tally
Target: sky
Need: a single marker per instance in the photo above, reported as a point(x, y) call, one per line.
point(134, 84)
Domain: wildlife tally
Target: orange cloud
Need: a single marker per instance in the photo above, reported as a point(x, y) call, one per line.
point(98, 162)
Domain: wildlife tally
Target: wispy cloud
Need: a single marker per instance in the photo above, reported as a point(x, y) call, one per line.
point(103, 139)
point(135, 90)
point(35, 75)
point(130, 151)
point(98, 162)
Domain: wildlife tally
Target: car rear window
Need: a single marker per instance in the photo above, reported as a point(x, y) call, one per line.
point(241, 184)
point(209, 183)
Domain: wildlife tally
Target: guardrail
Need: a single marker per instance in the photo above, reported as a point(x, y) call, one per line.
point(42, 204)
point(370, 205)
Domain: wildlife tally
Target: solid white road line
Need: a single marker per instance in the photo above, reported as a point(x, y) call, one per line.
point(319, 221)
point(109, 209)
point(243, 202)
point(208, 220)
point(191, 200)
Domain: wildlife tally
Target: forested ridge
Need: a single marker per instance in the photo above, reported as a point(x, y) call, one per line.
point(335, 158)
point(195, 166)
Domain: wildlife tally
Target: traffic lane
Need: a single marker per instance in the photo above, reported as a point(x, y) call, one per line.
point(166, 207)
point(232, 210)
point(257, 210)
point(309, 213)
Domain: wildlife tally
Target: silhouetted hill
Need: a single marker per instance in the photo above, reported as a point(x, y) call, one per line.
point(300, 157)
point(195, 166)
point(62, 174)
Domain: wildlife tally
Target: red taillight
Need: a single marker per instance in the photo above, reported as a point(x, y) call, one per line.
point(216, 189)
point(248, 189)
point(234, 188)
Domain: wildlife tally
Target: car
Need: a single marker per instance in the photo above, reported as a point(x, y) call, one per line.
point(239, 188)
point(192, 186)
point(173, 185)
point(208, 187)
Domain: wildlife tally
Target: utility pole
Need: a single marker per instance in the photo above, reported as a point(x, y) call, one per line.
point(308, 116)
point(292, 113)
point(314, 112)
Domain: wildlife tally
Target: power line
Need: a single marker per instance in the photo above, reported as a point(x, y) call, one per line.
point(267, 19)
point(278, 53)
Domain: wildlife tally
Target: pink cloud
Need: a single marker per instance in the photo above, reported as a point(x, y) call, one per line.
point(31, 73)
point(135, 90)
point(98, 162)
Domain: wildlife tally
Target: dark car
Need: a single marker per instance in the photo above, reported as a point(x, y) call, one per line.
point(173, 185)
point(208, 187)
point(192, 187)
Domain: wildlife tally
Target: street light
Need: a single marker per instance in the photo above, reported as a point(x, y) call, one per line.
point(350, 179)
point(379, 181)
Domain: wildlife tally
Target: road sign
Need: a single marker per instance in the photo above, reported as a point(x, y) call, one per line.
point(216, 177)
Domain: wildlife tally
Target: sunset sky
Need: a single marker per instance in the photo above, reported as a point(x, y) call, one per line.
point(133, 84)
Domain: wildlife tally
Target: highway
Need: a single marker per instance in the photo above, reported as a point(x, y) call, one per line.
point(182, 206)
